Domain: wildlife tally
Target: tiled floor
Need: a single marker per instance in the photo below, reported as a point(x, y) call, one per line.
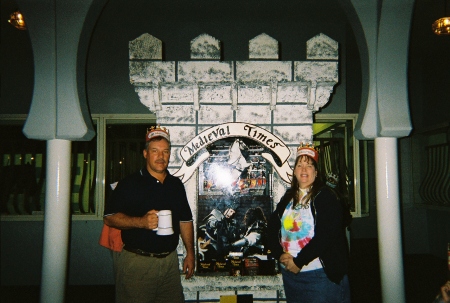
point(424, 274)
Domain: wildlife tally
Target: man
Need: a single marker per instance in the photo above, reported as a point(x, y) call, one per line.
point(147, 267)
point(222, 230)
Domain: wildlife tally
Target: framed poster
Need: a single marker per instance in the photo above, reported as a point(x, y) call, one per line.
point(234, 203)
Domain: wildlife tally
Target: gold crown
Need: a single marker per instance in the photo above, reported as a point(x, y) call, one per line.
point(333, 176)
point(332, 180)
point(157, 131)
point(308, 150)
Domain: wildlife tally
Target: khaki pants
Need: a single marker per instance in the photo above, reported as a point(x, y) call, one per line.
point(142, 279)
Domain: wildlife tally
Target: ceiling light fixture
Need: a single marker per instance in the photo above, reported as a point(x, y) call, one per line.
point(442, 25)
point(16, 19)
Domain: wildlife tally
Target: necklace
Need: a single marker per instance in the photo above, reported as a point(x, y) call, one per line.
point(302, 204)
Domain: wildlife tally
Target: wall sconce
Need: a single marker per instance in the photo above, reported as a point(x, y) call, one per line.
point(16, 19)
point(442, 25)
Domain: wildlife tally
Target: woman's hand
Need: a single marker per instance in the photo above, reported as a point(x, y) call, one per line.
point(288, 261)
point(445, 292)
point(284, 258)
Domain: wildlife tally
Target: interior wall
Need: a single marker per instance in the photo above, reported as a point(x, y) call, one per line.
point(21, 254)
point(109, 91)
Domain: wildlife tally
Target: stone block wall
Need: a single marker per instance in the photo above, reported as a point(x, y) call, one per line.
point(191, 96)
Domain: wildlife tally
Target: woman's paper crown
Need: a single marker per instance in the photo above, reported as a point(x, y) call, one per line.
point(157, 131)
point(308, 150)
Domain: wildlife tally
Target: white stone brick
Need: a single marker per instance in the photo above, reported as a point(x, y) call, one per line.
point(191, 191)
point(294, 134)
point(316, 71)
point(215, 93)
point(172, 114)
point(177, 93)
point(254, 114)
point(292, 92)
point(151, 72)
point(279, 188)
point(178, 134)
point(175, 159)
point(288, 113)
point(217, 113)
point(190, 295)
point(260, 94)
point(205, 71)
point(323, 93)
point(263, 71)
point(145, 94)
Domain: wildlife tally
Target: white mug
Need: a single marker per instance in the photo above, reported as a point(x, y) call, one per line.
point(164, 223)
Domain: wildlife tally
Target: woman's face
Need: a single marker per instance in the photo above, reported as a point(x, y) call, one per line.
point(305, 172)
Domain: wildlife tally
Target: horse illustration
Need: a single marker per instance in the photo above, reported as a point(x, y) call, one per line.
point(236, 159)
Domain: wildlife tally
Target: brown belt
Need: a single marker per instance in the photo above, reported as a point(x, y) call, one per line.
point(146, 253)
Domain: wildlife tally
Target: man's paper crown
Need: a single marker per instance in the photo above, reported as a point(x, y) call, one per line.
point(157, 131)
point(332, 180)
point(308, 150)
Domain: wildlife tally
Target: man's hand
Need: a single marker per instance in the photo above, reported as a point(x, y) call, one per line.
point(188, 266)
point(187, 235)
point(150, 220)
point(122, 221)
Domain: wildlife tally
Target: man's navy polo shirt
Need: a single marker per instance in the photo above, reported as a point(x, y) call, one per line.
point(139, 193)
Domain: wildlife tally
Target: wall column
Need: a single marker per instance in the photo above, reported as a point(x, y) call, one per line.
point(57, 221)
point(389, 223)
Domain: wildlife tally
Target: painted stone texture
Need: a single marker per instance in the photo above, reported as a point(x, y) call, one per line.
point(189, 97)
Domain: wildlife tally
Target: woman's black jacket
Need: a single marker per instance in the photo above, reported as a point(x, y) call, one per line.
point(329, 242)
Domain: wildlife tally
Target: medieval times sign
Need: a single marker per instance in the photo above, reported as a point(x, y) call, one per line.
point(196, 151)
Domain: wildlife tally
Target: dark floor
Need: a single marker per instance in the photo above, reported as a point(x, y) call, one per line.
point(424, 274)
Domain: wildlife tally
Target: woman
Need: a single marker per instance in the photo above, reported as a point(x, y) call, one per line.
point(306, 234)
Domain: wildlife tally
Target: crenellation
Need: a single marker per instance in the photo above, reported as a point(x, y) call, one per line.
point(322, 47)
point(145, 47)
point(263, 47)
point(205, 47)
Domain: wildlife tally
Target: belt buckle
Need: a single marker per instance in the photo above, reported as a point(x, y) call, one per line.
point(149, 254)
point(161, 255)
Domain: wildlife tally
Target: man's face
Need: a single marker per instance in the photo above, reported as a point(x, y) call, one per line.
point(229, 212)
point(157, 155)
